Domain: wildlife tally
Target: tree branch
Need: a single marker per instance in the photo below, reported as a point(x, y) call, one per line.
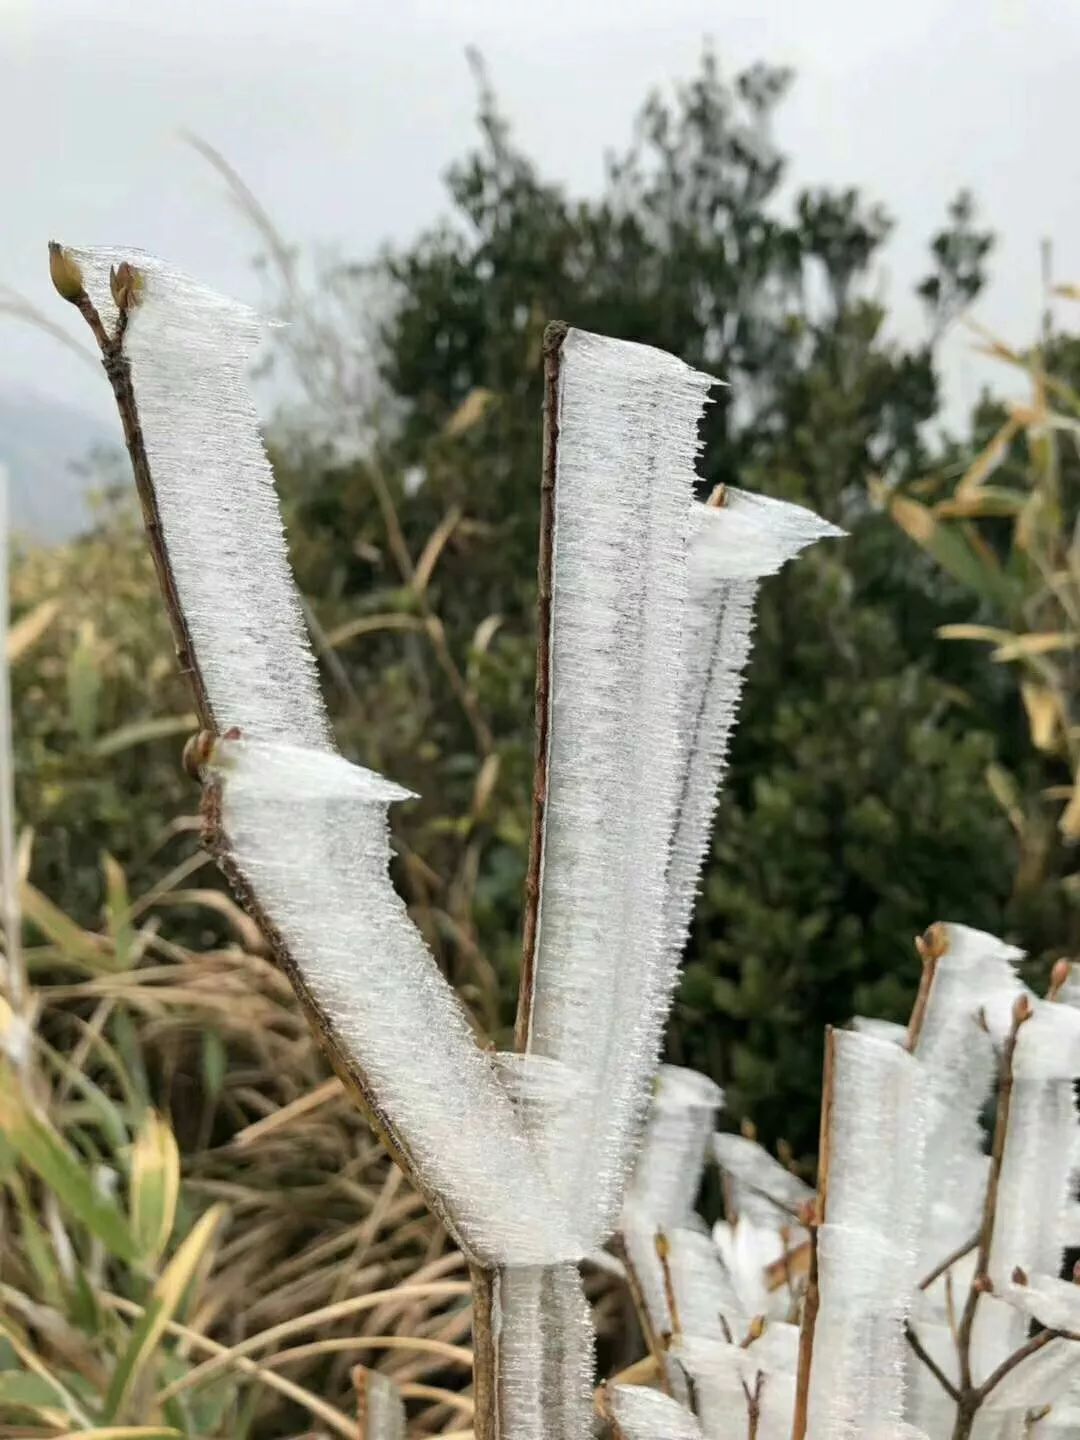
point(930, 1363)
point(554, 336)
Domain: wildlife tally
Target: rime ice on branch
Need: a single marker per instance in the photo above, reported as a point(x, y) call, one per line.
point(651, 608)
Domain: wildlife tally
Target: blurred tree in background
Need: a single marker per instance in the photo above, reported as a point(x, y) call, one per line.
point(857, 807)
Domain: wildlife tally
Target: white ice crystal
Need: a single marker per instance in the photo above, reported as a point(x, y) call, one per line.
point(526, 1158)
point(868, 1243)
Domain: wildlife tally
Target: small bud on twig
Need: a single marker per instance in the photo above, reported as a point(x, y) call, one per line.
point(1058, 977)
point(808, 1215)
point(718, 499)
point(126, 284)
point(1022, 1009)
point(65, 273)
point(747, 1128)
point(1019, 1275)
point(933, 943)
point(756, 1330)
point(197, 753)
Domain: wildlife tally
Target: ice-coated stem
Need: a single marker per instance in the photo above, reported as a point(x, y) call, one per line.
point(554, 336)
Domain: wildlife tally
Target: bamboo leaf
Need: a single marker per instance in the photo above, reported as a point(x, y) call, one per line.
point(40, 1146)
point(248, 932)
point(948, 545)
point(142, 732)
point(974, 632)
point(987, 461)
point(1039, 643)
point(986, 500)
point(118, 913)
point(29, 628)
point(1006, 792)
point(1069, 824)
point(437, 541)
point(92, 951)
point(155, 1185)
point(125, 1432)
point(470, 412)
point(371, 625)
point(165, 1299)
point(84, 685)
point(1044, 714)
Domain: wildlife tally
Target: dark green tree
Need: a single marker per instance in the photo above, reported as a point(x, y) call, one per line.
point(856, 809)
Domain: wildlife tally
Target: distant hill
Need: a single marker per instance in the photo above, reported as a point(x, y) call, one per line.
point(48, 449)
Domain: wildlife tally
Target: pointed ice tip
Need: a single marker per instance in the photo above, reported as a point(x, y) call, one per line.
point(738, 534)
point(296, 772)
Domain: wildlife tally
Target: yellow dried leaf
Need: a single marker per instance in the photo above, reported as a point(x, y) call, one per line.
point(470, 412)
point(915, 519)
point(429, 557)
point(1005, 791)
point(989, 458)
point(29, 628)
point(1069, 824)
point(155, 1185)
point(973, 632)
point(1039, 643)
point(485, 784)
point(485, 633)
point(1044, 713)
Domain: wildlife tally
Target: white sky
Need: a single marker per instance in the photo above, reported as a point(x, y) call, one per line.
point(343, 117)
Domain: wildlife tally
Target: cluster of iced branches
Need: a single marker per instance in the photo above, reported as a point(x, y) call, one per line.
point(918, 1292)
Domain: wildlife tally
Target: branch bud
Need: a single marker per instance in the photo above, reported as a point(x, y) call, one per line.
point(1019, 1276)
point(1022, 1009)
point(65, 273)
point(933, 943)
point(126, 284)
point(1058, 976)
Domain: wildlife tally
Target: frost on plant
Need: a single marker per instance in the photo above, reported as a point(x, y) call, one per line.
point(919, 1293)
point(918, 1290)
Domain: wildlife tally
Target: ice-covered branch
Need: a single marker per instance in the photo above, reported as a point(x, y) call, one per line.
point(651, 605)
point(303, 833)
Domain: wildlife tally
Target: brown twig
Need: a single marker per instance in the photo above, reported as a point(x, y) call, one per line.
point(931, 947)
point(972, 1396)
point(930, 1363)
point(949, 1261)
point(118, 370)
point(1021, 1013)
point(663, 1254)
point(1030, 1347)
point(653, 1343)
point(753, 1405)
point(815, 1218)
point(554, 336)
point(485, 1354)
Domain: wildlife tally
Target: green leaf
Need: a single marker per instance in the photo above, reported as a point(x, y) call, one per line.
point(125, 1432)
point(142, 732)
point(91, 951)
point(118, 913)
point(215, 1059)
point(51, 1158)
point(162, 1306)
point(84, 685)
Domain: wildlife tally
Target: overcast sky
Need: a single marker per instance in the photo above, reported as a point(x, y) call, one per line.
point(343, 117)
